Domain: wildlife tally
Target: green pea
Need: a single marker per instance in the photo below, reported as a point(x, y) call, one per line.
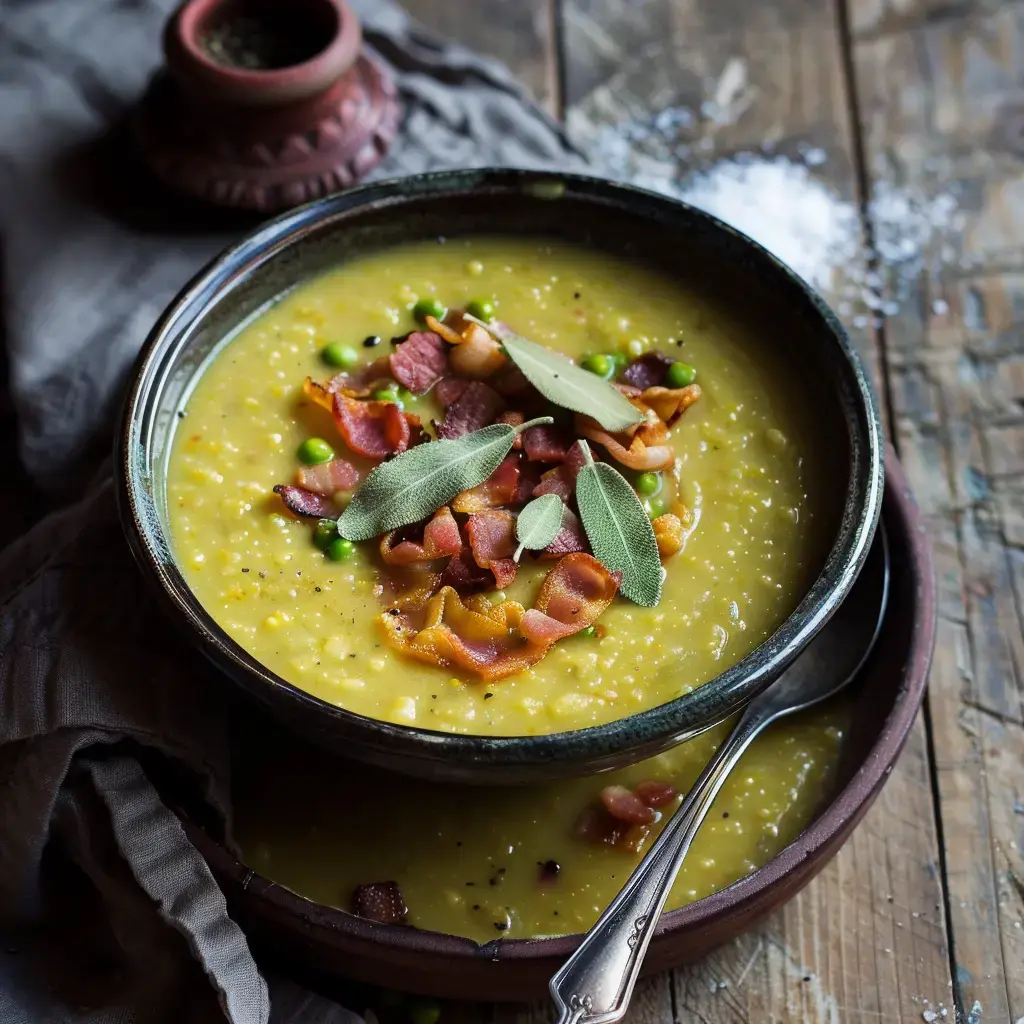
point(589, 631)
point(425, 1011)
point(621, 361)
point(679, 375)
point(392, 394)
point(482, 309)
point(654, 507)
point(315, 450)
point(429, 306)
point(403, 395)
point(344, 357)
point(340, 549)
point(648, 484)
point(600, 365)
point(325, 532)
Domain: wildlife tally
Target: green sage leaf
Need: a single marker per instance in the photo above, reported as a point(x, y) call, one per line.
point(619, 531)
point(419, 481)
point(561, 381)
point(539, 523)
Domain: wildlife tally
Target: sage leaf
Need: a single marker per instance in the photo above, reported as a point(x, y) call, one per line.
point(538, 523)
point(561, 381)
point(419, 481)
point(618, 529)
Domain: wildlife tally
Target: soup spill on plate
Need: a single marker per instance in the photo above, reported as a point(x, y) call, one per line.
point(430, 604)
point(517, 862)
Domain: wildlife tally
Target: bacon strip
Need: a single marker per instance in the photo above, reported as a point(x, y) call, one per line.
point(500, 488)
point(464, 575)
point(670, 403)
point(545, 443)
point(475, 407)
point(308, 504)
point(441, 539)
point(504, 639)
point(637, 456)
point(492, 539)
point(448, 389)
point(569, 539)
point(329, 477)
point(647, 371)
point(373, 429)
point(479, 355)
point(363, 381)
point(420, 361)
point(562, 479)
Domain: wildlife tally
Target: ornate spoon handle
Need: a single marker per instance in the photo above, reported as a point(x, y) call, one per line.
point(594, 985)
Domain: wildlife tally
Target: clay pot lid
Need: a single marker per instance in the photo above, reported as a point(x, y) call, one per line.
point(263, 109)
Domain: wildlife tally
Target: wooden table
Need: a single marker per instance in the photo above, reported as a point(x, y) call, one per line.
point(910, 113)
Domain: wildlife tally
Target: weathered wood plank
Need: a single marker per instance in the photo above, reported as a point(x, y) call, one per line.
point(657, 88)
point(521, 33)
point(942, 108)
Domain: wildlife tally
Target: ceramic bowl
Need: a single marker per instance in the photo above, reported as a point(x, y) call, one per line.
point(594, 213)
point(322, 944)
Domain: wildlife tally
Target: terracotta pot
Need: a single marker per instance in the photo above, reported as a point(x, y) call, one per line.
point(262, 108)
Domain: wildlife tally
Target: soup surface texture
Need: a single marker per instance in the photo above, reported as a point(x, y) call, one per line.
point(509, 862)
point(749, 473)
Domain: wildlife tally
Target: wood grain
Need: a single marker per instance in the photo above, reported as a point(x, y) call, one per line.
point(944, 120)
point(520, 33)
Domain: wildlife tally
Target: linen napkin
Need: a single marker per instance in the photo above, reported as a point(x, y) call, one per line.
point(107, 914)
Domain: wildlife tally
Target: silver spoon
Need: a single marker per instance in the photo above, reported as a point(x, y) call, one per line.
point(595, 984)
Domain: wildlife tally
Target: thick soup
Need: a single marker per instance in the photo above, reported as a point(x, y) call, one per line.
point(526, 861)
point(457, 615)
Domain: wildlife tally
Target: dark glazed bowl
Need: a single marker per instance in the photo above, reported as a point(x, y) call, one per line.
point(598, 214)
point(320, 943)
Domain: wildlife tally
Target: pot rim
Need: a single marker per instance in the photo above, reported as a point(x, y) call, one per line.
point(620, 741)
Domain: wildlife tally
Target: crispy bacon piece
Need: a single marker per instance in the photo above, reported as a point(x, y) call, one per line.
point(545, 443)
point(441, 539)
point(625, 805)
point(381, 902)
point(562, 479)
point(513, 419)
point(318, 393)
point(638, 455)
point(420, 361)
point(448, 331)
point(647, 371)
point(622, 818)
point(362, 381)
point(309, 504)
point(498, 489)
point(504, 639)
point(669, 533)
point(464, 575)
point(448, 389)
point(670, 403)
point(329, 477)
point(511, 382)
point(555, 481)
point(570, 537)
point(655, 794)
point(476, 407)
point(373, 429)
point(577, 587)
point(492, 539)
point(479, 355)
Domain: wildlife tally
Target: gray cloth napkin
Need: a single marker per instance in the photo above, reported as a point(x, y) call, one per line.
point(107, 914)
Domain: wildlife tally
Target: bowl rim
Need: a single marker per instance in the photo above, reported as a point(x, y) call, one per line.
point(847, 805)
point(619, 741)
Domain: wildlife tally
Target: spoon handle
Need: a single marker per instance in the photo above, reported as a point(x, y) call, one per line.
point(595, 984)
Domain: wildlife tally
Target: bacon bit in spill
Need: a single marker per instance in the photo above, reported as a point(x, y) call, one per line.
point(381, 902)
point(626, 806)
point(548, 870)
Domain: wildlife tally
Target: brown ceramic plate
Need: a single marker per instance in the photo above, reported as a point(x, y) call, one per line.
point(321, 942)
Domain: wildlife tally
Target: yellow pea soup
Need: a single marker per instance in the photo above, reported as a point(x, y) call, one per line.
point(505, 862)
point(750, 468)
